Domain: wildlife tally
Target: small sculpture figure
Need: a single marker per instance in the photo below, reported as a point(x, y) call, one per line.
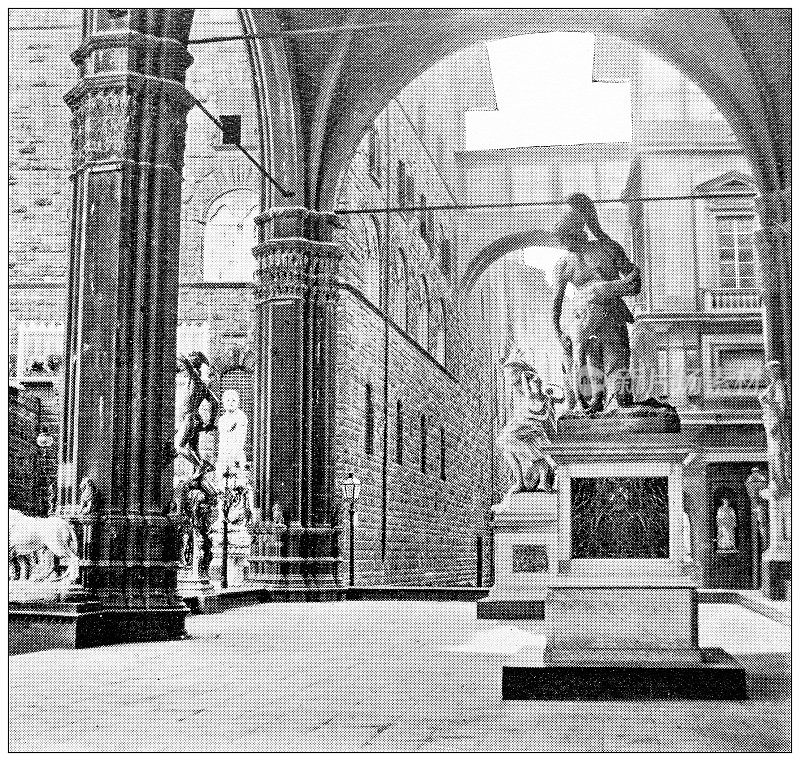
point(28, 537)
point(726, 527)
point(232, 426)
point(687, 535)
point(527, 428)
point(756, 484)
point(774, 404)
point(191, 423)
point(196, 501)
point(597, 349)
point(89, 497)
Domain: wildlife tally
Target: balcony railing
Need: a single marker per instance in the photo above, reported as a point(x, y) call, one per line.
point(732, 300)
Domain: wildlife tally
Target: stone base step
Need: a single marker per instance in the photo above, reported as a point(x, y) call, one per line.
point(718, 677)
point(509, 609)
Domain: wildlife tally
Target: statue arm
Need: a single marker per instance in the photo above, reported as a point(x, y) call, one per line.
point(561, 277)
point(214, 414)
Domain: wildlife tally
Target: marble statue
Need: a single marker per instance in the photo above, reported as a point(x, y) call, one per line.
point(232, 427)
point(527, 429)
point(28, 537)
point(191, 423)
point(596, 346)
point(756, 484)
point(726, 527)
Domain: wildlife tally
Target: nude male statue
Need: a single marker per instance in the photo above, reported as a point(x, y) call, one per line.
point(191, 424)
point(596, 346)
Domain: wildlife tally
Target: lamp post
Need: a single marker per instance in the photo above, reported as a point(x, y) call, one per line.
point(226, 508)
point(351, 488)
point(44, 442)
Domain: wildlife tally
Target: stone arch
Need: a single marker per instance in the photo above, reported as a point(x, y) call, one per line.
point(716, 49)
point(495, 250)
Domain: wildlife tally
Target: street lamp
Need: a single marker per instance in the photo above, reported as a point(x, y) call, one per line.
point(351, 488)
point(44, 486)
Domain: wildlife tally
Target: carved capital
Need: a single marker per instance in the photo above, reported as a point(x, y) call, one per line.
point(290, 268)
point(116, 116)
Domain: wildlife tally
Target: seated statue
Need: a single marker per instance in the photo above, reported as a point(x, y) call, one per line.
point(529, 426)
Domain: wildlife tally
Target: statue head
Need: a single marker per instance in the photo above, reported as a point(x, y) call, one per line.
point(230, 400)
point(197, 359)
point(516, 365)
point(570, 231)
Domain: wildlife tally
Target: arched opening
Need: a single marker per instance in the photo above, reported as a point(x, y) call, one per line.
point(229, 235)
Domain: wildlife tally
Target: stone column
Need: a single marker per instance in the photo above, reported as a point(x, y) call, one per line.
point(296, 534)
point(774, 243)
point(115, 482)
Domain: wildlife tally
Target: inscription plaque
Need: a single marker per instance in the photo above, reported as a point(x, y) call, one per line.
point(620, 518)
point(529, 558)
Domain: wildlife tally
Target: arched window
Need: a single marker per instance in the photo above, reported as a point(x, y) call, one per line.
point(369, 421)
point(442, 471)
point(398, 446)
point(398, 290)
point(424, 320)
point(423, 442)
point(372, 258)
point(440, 350)
point(229, 237)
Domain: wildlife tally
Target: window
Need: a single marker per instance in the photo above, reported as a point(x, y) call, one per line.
point(441, 454)
point(410, 192)
point(374, 154)
point(694, 372)
point(424, 322)
point(398, 447)
point(733, 364)
point(40, 348)
point(440, 350)
point(423, 443)
point(736, 252)
point(661, 388)
point(398, 291)
point(401, 184)
point(445, 256)
point(231, 129)
point(372, 257)
point(229, 236)
point(369, 421)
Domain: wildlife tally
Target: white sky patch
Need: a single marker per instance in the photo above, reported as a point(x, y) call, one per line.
point(546, 96)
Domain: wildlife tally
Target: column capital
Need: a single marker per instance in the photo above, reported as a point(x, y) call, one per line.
point(113, 112)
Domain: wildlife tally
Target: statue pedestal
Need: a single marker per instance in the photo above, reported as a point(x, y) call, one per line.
point(620, 615)
point(525, 546)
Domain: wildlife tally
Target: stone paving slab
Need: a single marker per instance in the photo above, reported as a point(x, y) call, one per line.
point(371, 676)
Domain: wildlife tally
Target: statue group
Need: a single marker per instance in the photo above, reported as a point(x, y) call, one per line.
point(596, 363)
point(198, 495)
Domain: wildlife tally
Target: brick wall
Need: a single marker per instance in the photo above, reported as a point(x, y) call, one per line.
point(24, 466)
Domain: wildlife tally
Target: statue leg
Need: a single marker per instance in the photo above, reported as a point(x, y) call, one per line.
point(616, 365)
point(594, 374)
point(581, 378)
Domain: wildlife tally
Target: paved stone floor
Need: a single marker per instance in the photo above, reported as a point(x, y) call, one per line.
point(410, 676)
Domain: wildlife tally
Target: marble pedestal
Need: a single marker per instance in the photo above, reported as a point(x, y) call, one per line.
point(620, 615)
point(525, 546)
